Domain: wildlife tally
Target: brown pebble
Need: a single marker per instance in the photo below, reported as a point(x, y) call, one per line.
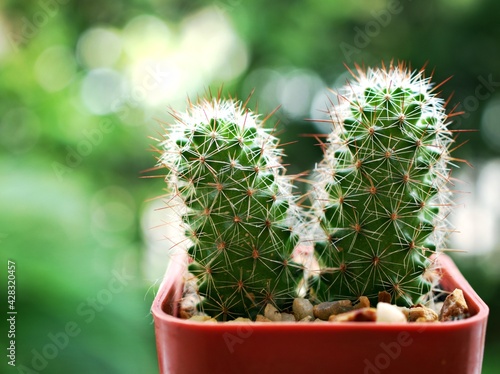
point(437, 307)
point(405, 311)
point(272, 313)
point(420, 313)
point(202, 318)
point(240, 319)
point(306, 319)
point(261, 318)
point(363, 302)
point(325, 310)
point(384, 297)
point(185, 313)
point(302, 308)
point(454, 307)
point(358, 315)
point(287, 317)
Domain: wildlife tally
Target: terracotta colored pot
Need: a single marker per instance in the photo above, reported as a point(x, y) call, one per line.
point(351, 347)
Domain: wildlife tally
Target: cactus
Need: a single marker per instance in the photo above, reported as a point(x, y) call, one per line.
point(238, 210)
point(381, 199)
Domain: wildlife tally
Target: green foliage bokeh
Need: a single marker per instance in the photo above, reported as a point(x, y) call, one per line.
point(71, 200)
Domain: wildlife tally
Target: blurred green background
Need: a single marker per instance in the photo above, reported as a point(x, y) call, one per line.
point(82, 85)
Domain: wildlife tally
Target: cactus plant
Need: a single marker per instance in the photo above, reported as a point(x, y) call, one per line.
point(380, 205)
point(238, 210)
point(381, 199)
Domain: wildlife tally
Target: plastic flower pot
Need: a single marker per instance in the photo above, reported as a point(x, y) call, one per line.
point(352, 347)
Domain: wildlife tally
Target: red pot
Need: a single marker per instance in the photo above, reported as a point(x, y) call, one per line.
point(351, 347)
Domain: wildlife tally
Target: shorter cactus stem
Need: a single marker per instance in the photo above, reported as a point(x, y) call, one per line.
point(239, 213)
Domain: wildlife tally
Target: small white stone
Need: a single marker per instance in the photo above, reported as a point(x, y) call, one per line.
point(389, 313)
point(202, 318)
point(240, 319)
point(307, 319)
point(261, 318)
point(272, 313)
point(287, 317)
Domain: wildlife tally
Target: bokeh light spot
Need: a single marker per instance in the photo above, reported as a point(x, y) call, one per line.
point(102, 91)
point(99, 47)
point(112, 213)
point(146, 37)
point(477, 213)
point(55, 68)
point(297, 92)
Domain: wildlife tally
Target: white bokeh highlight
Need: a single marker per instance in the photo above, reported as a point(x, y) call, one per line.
point(101, 90)
point(55, 68)
point(477, 214)
point(99, 47)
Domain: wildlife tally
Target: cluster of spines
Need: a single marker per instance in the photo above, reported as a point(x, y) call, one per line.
point(381, 199)
point(238, 210)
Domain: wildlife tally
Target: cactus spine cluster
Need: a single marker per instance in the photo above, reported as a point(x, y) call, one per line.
point(238, 211)
point(381, 201)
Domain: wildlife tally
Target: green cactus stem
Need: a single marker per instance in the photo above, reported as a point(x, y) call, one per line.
point(381, 198)
point(239, 213)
